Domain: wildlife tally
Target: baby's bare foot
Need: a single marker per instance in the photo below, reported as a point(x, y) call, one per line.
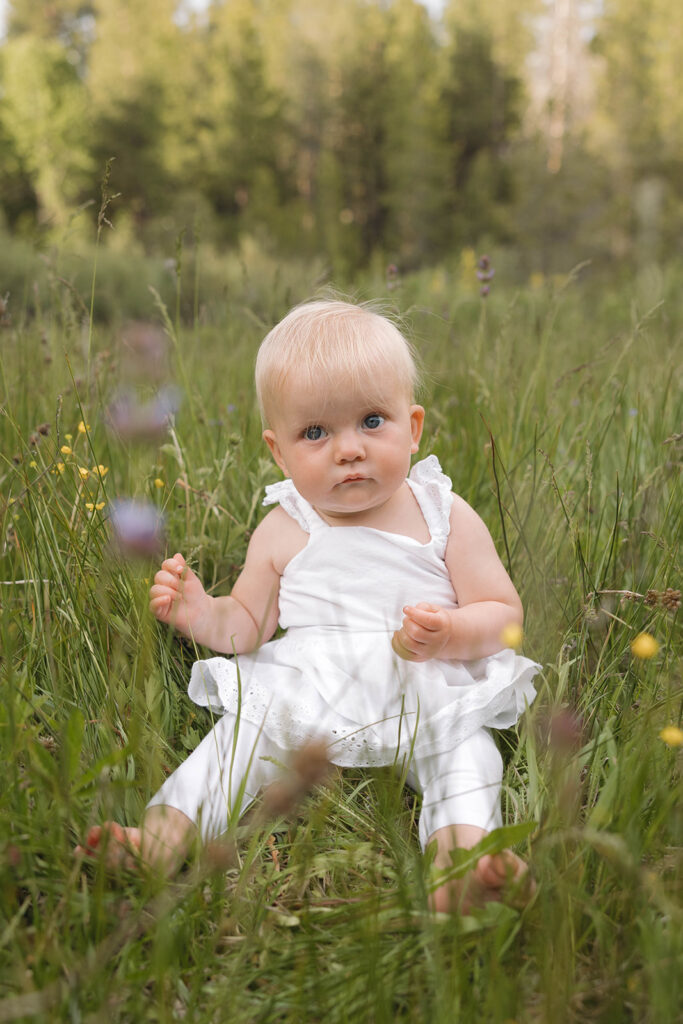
point(117, 845)
point(502, 877)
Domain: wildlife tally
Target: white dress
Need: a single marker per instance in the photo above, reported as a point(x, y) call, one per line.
point(335, 675)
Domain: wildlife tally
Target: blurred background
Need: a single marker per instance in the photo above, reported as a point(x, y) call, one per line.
point(358, 132)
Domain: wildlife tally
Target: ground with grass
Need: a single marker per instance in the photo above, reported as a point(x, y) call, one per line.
point(556, 410)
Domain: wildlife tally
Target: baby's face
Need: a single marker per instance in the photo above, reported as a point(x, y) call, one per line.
point(347, 451)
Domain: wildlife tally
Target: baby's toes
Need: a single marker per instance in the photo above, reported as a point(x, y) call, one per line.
point(119, 846)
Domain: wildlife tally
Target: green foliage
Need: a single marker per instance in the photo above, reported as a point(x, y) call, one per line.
point(356, 132)
point(556, 409)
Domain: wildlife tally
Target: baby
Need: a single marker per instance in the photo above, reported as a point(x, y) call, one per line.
point(393, 598)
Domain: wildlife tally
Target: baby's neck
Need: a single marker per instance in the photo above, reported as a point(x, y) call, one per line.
point(401, 514)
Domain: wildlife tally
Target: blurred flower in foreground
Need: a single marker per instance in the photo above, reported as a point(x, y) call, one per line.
point(566, 729)
point(145, 351)
point(309, 767)
point(134, 420)
point(137, 527)
point(672, 736)
point(512, 636)
point(159, 483)
point(65, 450)
point(644, 646)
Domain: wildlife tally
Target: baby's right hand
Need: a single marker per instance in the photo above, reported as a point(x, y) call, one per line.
point(178, 598)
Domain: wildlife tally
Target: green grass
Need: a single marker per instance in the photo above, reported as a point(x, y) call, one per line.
point(557, 412)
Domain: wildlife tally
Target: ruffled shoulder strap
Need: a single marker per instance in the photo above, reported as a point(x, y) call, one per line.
point(434, 493)
point(286, 495)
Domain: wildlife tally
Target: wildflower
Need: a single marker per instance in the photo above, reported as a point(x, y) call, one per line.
point(83, 427)
point(33, 464)
point(60, 467)
point(131, 419)
point(69, 437)
point(101, 471)
point(393, 279)
point(644, 646)
point(5, 318)
point(65, 450)
point(137, 527)
point(83, 472)
point(91, 506)
point(512, 636)
point(672, 736)
point(159, 483)
point(566, 729)
point(485, 273)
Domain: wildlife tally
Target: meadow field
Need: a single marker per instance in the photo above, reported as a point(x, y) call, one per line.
point(555, 406)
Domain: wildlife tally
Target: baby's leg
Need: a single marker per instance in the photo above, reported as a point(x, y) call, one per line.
point(207, 793)
point(461, 804)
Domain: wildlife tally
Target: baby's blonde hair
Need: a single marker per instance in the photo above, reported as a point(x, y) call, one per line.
point(328, 343)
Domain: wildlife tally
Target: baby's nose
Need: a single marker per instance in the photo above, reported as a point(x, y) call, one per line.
point(348, 446)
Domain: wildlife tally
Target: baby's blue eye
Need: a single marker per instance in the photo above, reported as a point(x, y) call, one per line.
point(373, 421)
point(313, 433)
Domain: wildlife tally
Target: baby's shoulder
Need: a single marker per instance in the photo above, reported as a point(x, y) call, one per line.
point(280, 536)
point(466, 525)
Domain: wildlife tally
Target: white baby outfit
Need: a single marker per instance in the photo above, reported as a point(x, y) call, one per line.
point(334, 675)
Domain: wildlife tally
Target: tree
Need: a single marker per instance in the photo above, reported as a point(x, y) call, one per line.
point(481, 110)
point(43, 115)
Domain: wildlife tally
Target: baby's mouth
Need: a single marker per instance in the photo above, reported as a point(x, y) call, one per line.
point(352, 478)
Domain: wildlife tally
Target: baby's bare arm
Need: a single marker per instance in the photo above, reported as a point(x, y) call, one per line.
point(237, 623)
point(487, 599)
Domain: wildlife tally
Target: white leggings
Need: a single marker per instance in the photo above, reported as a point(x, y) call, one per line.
point(223, 775)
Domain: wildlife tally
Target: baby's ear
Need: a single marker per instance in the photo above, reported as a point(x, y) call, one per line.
point(417, 421)
point(271, 440)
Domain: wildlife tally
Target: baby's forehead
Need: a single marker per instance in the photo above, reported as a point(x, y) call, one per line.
point(340, 392)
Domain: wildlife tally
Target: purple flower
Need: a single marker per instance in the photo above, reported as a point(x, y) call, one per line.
point(135, 420)
point(137, 527)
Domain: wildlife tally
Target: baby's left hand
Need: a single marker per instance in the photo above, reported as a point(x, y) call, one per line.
point(424, 632)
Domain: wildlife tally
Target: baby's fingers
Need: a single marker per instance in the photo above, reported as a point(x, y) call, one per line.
point(162, 599)
point(167, 579)
point(426, 615)
point(175, 566)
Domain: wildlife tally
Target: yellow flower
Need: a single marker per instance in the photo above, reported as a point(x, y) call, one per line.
point(644, 646)
point(672, 735)
point(512, 636)
point(83, 472)
point(102, 470)
point(33, 464)
point(60, 467)
point(159, 483)
point(91, 506)
point(65, 450)
point(69, 437)
point(83, 427)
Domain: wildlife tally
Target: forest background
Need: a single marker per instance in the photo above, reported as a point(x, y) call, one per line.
point(368, 130)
